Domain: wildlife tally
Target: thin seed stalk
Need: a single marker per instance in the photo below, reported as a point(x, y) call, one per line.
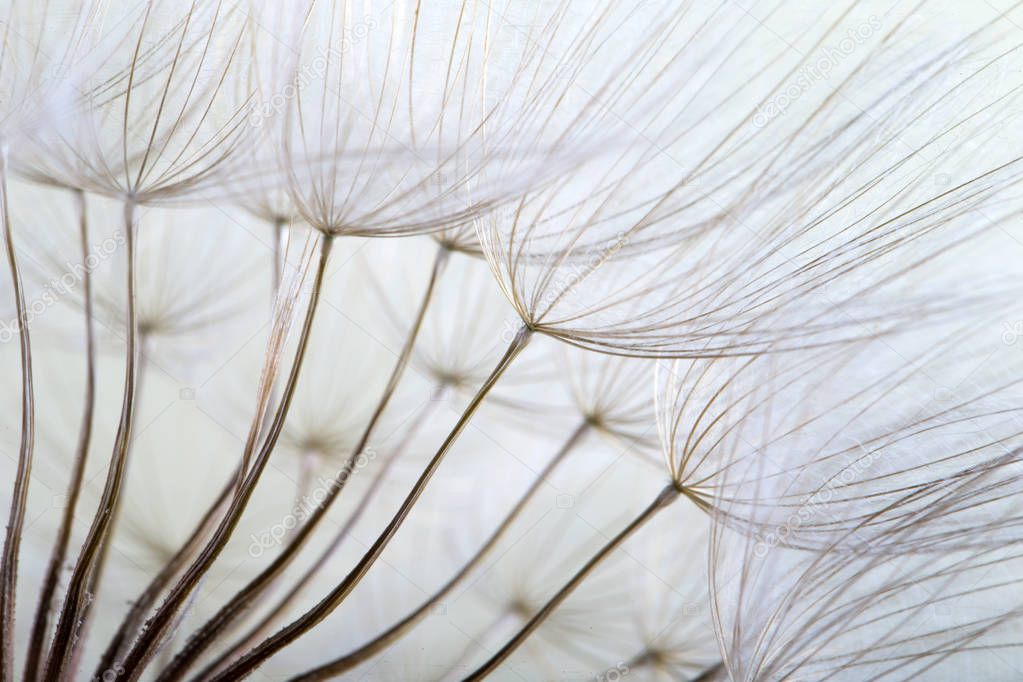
point(96, 578)
point(382, 641)
point(19, 496)
point(504, 620)
point(254, 658)
point(664, 499)
point(245, 597)
point(60, 544)
point(153, 631)
point(280, 239)
point(76, 598)
point(140, 607)
point(260, 629)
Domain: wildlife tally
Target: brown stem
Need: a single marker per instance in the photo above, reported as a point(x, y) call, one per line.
point(477, 641)
point(666, 497)
point(253, 659)
point(280, 238)
point(77, 593)
point(396, 631)
point(140, 607)
point(95, 579)
point(59, 552)
point(260, 629)
point(245, 597)
point(152, 633)
point(19, 496)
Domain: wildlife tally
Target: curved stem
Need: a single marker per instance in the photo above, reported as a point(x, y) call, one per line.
point(396, 631)
point(96, 578)
point(59, 552)
point(280, 239)
point(77, 593)
point(137, 613)
point(253, 659)
point(666, 497)
point(478, 640)
point(244, 599)
point(260, 629)
point(141, 605)
point(19, 496)
point(152, 633)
